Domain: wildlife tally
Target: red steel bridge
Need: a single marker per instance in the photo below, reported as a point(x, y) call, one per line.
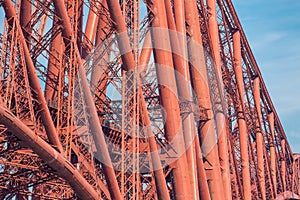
point(132, 99)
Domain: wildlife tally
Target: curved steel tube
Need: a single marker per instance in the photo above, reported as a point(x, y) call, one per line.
point(53, 158)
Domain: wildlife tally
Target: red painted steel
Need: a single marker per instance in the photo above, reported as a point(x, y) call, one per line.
point(130, 99)
point(259, 139)
point(244, 136)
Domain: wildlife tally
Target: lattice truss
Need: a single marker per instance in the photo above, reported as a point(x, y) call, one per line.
point(130, 99)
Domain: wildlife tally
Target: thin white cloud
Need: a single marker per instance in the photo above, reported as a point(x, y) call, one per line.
point(267, 40)
point(274, 36)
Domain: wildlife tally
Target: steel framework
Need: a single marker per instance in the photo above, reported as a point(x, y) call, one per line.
point(129, 99)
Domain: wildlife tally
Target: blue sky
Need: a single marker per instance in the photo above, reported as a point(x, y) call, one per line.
point(273, 29)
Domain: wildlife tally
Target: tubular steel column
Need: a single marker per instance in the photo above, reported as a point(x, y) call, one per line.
point(180, 59)
point(25, 16)
point(259, 139)
point(283, 164)
point(123, 40)
point(200, 86)
point(214, 33)
point(129, 64)
point(96, 128)
point(273, 152)
point(101, 37)
point(145, 53)
point(34, 81)
point(91, 25)
point(90, 30)
point(160, 182)
point(244, 137)
point(102, 27)
point(168, 96)
point(214, 41)
point(56, 49)
point(198, 74)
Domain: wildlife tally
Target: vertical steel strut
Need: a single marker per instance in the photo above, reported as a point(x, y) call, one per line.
point(96, 129)
point(168, 96)
point(244, 137)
